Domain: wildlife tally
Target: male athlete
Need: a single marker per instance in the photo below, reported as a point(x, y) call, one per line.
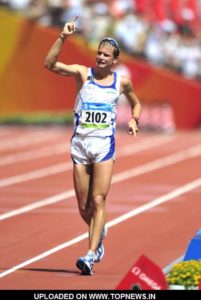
point(93, 141)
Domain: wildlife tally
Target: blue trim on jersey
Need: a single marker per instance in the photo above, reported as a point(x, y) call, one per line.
point(112, 86)
point(110, 154)
point(96, 106)
point(77, 118)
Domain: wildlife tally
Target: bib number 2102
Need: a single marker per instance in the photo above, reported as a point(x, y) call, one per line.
point(95, 117)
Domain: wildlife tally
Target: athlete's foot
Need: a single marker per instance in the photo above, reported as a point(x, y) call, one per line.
point(85, 263)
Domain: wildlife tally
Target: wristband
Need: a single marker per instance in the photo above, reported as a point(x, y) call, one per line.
point(136, 120)
point(62, 37)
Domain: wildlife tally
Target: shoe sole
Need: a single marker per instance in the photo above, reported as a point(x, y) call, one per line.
point(83, 267)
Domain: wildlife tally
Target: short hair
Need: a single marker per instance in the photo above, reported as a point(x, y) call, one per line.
point(113, 43)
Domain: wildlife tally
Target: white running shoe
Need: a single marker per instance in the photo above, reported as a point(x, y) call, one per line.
point(85, 263)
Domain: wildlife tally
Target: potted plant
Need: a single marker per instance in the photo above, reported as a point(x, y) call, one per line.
point(185, 275)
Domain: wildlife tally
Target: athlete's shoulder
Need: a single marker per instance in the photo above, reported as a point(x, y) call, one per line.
point(125, 79)
point(126, 84)
point(82, 72)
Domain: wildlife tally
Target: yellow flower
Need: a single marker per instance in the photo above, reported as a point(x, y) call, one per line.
point(186, 273)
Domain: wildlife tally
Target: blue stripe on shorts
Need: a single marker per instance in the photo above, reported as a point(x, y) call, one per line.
point(110, 154)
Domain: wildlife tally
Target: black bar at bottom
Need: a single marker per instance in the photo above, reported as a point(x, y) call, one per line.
point(99, 294)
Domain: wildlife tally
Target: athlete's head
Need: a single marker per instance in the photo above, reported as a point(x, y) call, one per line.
point(111, 42)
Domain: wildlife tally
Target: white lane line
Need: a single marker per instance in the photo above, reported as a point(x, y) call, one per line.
point(22, 141)
point(177, 192)
point(159, 163)
point(52, 170)
point(167, 269)
point(136, 171)
point(62, 167)
point(63, 148)
point(31, 155)
point(4, 133)
point(144, 145)
point(38, 204)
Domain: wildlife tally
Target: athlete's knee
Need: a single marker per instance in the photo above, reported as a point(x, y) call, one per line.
point(99, 202)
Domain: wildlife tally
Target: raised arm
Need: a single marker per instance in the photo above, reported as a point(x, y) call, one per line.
point(51, 61)
point(127, 90)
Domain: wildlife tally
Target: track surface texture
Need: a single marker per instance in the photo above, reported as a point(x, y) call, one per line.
point(153, 207)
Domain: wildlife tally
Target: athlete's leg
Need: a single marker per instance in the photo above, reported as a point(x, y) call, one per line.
point(100, 180)
point(102, 175)
point(82, 176)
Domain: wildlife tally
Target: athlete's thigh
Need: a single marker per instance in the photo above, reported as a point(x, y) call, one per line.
point(102, 175)
point(82, 178)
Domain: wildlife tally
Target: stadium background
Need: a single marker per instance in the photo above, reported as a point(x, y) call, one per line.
point(28, 88)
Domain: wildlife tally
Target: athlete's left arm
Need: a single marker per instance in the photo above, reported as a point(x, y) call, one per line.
point(127, 90)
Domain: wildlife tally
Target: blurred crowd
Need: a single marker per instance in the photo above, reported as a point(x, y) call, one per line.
point(166, 33)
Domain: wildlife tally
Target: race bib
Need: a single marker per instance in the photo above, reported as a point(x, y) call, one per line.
point(97, 115)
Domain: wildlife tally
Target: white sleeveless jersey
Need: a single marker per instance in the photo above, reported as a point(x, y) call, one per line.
point(96, 107)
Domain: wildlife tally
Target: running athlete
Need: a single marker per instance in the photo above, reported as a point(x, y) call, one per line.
point(93, 142)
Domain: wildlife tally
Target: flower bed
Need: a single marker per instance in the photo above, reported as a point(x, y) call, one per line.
point(185, 275)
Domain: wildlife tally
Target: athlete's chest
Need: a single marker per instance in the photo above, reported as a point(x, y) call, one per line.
point(95, 93)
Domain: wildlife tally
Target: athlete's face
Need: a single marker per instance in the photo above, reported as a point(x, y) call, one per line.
point(105, 56)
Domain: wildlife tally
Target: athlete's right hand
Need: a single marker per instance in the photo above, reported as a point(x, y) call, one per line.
point(69, 28)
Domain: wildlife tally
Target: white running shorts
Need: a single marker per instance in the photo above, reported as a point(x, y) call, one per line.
point(87, 150)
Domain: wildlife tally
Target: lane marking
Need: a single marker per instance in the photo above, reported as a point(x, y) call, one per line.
point(144, 145)
point(171, 195)
point(167, 269)
point(33, 154)
point(38, 204)
point(45, 172)
point(19, 142)
point(157, 201)
point(63, 148)
point(62, 167)
point(159, 163)
point(136, 171)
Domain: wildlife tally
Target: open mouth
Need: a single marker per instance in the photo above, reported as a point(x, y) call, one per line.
point(100, 63)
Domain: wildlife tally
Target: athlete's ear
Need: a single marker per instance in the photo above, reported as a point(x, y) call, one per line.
point(115, 60)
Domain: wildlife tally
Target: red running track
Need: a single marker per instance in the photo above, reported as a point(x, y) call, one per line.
point(153, 207)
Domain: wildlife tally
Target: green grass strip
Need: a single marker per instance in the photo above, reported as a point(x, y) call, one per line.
point(39, 118)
